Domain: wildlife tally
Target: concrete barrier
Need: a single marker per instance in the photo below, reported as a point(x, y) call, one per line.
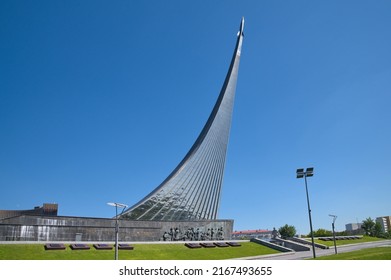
point(291, 244)
point(271, 245)
point(306, 242)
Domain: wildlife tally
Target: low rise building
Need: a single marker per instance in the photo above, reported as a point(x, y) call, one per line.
point(353, 226)
point(47, 209)
point(254, 233)
point(385, 223)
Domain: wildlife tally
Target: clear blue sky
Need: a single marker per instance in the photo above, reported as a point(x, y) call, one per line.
point(100, 100)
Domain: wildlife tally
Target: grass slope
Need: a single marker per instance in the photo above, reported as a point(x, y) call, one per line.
point(379, 253)
point(346, 242)
point(140, 252)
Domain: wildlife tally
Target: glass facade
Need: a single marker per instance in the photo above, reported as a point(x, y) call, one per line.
point(192, 190)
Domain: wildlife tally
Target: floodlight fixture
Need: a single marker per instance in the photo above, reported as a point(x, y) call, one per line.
point(116, 204)
point(300, 173)
point(333, 216)
point(309, 172)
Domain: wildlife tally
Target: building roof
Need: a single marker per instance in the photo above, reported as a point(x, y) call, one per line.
point(251, 231)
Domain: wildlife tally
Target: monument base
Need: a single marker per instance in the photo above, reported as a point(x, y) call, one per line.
point(64, 228)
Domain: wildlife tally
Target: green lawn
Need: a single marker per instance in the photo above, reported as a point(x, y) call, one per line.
point(346, 242)
point(140, 252)
point(379, 253)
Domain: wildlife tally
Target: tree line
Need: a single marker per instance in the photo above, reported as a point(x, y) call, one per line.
point(369, 227)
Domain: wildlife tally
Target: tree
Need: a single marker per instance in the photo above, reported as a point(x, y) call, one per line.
point(287, 231)
point(322, 233)
point(368, 225)
point(378, 230)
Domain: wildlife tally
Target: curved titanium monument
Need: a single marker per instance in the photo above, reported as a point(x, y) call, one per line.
point(192, 190)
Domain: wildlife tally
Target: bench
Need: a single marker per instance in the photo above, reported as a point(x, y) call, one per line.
point(103, 247)
point(54, 246)
point(234, 244)
point(325, 238)
point(79, 247)
point(125, 247)
point(221, 244)
point(193, 245)
point(207, 245)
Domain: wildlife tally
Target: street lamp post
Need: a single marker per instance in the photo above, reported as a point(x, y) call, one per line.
point(333, 224)
point(300, 173)
point(116, 205)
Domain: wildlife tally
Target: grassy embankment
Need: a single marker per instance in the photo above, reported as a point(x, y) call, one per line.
point(140, 252)
point(378, 253)
point(347, 242)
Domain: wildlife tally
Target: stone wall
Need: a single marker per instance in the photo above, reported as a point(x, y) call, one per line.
point(46, 228)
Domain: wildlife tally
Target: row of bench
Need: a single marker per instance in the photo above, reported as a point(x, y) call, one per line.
point(212, 245)
point(339, 238)
point(80, 246)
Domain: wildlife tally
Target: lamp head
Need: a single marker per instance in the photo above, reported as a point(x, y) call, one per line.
point(309, 172)
point(300, 173)
point(116, 204)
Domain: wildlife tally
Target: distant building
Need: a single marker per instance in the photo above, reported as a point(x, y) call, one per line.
point(353, 226)
point(385, 223)
point(255, 233)
point(48, 209)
